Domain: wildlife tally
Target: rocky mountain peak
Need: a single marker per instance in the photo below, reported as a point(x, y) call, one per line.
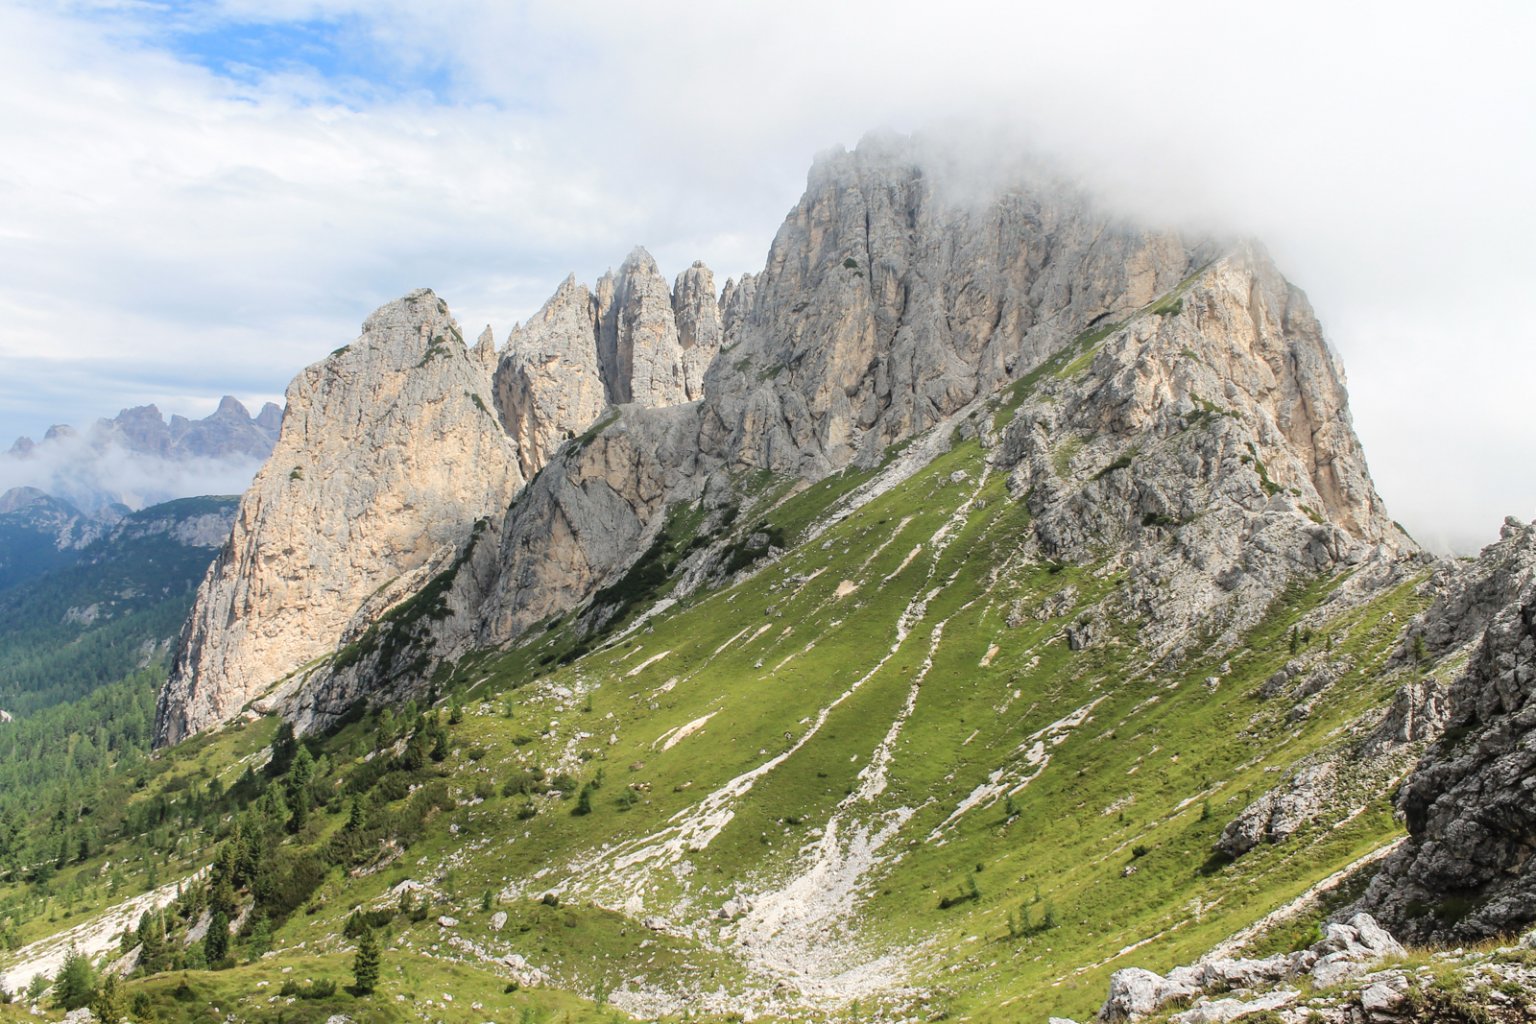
point(138, 458)
point(231, 407)
point(1190, 394)
point(389, 452)
point(638, 337)
point(17, 498)
point(632, 340)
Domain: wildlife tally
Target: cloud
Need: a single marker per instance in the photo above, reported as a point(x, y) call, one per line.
point(93, 476)
point(234, 185)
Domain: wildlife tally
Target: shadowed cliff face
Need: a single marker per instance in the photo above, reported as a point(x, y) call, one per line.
point(1466, 871)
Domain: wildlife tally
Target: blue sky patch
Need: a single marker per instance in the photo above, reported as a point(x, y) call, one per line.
point(340, 52)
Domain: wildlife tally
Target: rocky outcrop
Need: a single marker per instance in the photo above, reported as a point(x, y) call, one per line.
point(1204, 445)
point(1358, 974)
point(1345, 951)
point(1466, 870)
point(389, 453)
point(632, 341)
point(1278, 814)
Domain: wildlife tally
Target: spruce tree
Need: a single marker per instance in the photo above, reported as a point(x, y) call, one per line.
point(110, 1005)
point(75, 984)
point(261, 938)
point(299, 776)
point(216, 942)
point(365, 965)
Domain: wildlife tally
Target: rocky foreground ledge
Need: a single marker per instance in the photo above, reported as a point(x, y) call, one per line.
point(1356, 974)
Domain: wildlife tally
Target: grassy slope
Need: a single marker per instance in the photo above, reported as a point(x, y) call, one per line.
point(769, 659)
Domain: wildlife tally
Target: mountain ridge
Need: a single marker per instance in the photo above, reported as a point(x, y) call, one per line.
point(1009, 546)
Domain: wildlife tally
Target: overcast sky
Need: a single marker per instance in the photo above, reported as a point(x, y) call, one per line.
point(201, 198)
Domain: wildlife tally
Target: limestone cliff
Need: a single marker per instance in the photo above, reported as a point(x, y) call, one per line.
point(1180, 412)
point(388, 454)
point(632, 341)
point(548, 383)
point(891, 302)
point(1205, 446)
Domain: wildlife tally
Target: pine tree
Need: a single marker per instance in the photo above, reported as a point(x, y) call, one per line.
point(151, 934)
point(365, 965)
point(216, 942)
point(75, 984)
point(300, 774)
point(110, 1005)
point(357, 818)
point(285, 746)
point(261, 938)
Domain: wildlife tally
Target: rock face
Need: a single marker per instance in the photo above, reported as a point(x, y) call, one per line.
point(389, 453)
point(1470, 806)
point(1206, 443)
point(549, 383)
point(1194, 401)
point(632, 341)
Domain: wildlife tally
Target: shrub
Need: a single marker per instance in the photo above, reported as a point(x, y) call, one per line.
point(968, 893)
point(322, 989)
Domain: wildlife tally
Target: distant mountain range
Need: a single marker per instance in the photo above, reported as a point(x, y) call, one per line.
point(84, 603)
point(137, 458)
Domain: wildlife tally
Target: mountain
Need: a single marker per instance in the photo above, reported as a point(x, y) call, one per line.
point(393, 449)
point(40, 533)
point(113, 607)
point(137, 458)
point(984, 612)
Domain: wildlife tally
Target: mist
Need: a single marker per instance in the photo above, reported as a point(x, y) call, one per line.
point(93, 477)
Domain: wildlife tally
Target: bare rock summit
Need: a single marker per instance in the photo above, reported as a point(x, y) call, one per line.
point(389, 453)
